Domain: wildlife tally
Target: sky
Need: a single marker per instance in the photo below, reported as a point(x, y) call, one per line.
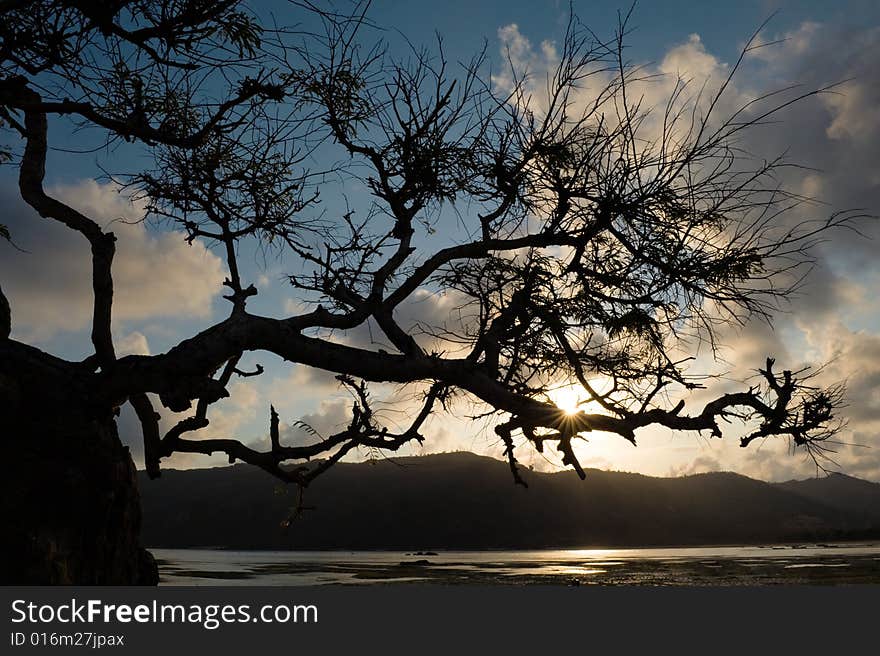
point(168, 290)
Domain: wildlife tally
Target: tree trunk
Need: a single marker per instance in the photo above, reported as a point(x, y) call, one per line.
point(70, 506)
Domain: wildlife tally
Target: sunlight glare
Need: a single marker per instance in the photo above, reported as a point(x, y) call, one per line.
point(567, 398)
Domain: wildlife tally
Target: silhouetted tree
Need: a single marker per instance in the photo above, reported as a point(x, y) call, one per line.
point(605, 240)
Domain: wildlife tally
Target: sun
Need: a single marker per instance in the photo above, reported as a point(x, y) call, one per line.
point(567, 398)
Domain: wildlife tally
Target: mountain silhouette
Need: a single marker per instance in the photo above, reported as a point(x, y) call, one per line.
point(845, 493)
point(464, 501)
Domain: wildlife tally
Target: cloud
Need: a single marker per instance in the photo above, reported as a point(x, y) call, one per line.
point(775, 461)
point(331, 417)
point(156, 274)
point(687, 72)
point(837, 132)
point(691, 60)
point(521, 59)
point(305, 380)
point(438, 321)
point(233, 417)
point(292, 306)
point(134, 343)
point(699, 465)
point(228, 416)
point(856, 112)
point(837, 135)
point(835, 319)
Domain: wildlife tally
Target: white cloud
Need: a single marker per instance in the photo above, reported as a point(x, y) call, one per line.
point(233, 417)
point(838, 134)
point(691, 60)
point(521, 56)
point(156, 274)
point(855, 110)
point(228, 415)
point(699, 465)
point(331, 417)
point(134, 343)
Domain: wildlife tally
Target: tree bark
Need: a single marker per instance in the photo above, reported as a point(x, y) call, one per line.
point(70, 507)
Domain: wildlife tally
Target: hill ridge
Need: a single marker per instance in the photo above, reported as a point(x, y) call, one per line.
point(463, 500)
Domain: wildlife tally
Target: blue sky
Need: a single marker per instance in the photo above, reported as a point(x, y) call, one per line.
point(837, 318)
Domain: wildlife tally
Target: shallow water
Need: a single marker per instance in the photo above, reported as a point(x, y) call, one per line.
point(811, 564)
